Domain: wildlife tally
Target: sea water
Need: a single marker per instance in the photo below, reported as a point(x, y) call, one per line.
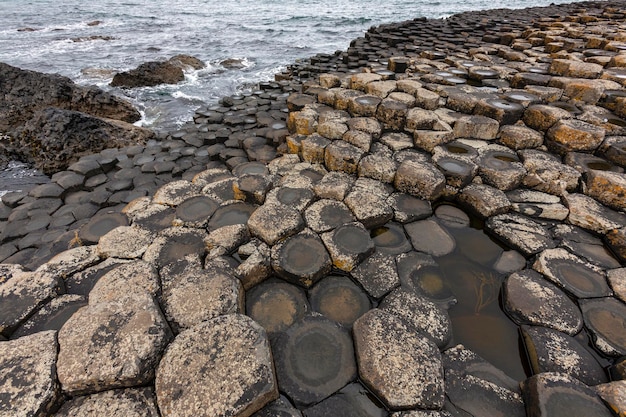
point(90, 41)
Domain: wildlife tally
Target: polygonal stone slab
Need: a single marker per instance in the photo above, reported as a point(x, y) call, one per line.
point(230, 214)
point(607, 187)
point(124, 242)
point(587, 213)
point(126, 278)
point(484, 200)
point(325, 215)
point(195, 295)
point(575, 276)
point(227, 366)
point(422, 314)
point(22, 293)
point(606, 318)
point(537, 204)
point(557, 394)
point(314, 358)
point(279, 408)
point(614, 395)
point(131, 402)
point(175, 243)
point(530, 299)
point(352, 400)
point(546, 173)
point(196, 211)
point(522, 233)
point(348, 245)
point(27, 375)
point(552, 351)
point(391, 239)
point(276, 305)
point(407, 208)
point(377, 274)
point(334, 185)
point(301, 259)
point(397, 363)
point(273, 222)
point(422, 180)
point(99, 225)
point(111, 344)
point(52, 316)
point(175, 192)
point(476, 387)
point(339, 299)
point(429, 237)
point(71, 261)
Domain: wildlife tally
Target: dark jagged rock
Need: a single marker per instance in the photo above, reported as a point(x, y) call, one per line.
point(154, 72)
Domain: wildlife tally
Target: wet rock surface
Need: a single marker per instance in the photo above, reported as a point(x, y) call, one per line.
point(320, 194)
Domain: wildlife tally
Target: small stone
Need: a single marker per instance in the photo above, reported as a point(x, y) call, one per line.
point(616, 240)
point(476, 127)
point(124, 242)
point(409, 374)
point(558, 394)
point(429, 237)
point(614, 149)
point(111, 344)
point(301, 259)
point(419, 180)
point(609, 188)
point(132, 402)
point(348, 245)
point(360, 81)
point(530, 299)
point(452, 216)
point(232, 345)
point(27, 375)
point(273, 222)
point(522, 233)
point(484, 200)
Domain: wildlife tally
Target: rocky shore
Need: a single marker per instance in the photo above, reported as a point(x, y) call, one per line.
point(376, 233)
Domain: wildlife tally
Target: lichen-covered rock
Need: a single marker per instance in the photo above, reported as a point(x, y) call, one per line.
point(131, 402)
point(614, 396)
point(125, 278)
point(377, 274)
point(71, 261)
point(546, 173)
point(221, 367)
point(176, 192)
point(420, 180)
point(326, 214)
point(587, 213)
point(112, 344)
point(607, 187)
point(574, 135)
point(524, 234)
point(301, 259)
point(126, 242)
point(27, 375)
point(272, 222)
point(397, 363)
point(348, 245)
point(537, 204)
point(484, 200)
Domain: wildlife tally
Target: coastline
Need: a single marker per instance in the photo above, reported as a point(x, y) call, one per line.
point(535, 190)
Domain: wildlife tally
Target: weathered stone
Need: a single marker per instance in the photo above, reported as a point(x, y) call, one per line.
point(329, 80)
point(153, 217)
point(604, 317)
point(578, 89)
point(484, 200)
point(421, 119)
point(272, 222)
point(365, 105)
point(99, 225)
point(476, 387)
point(587, 246)
point(230, 214)
point(339, 299)
point(504, 111)
point(124, 242)
point(476, 127)
point(452, 216)
point(232, 345)
point(27, 375)
point(332, 129)
point(174, 193)
point(301, 259)
point(381, 88)
point(429, 237)
point(174, 243)
point(125, 278)
point(366, 124)
point(132, 402)
point(149, 74)
point(501, 168)
point(522, 233)
point(552, 351)
point(546, 173)
point(530, 299)
point(282, 407)
point(360, 81)
point(420, 180)
point(195, 211)
point(313, 148)
point(542, 117)
point(617, 280)
point(348, 245)
point(607, 187)
point(407, 208)
point(614, 149)
point(429, 139)
point(325, 215)
point(51, 316)
point(409, 374)
point(255, 267)
point(390, 239)
point(459, 171)
point(587, 213)
point(252, 188)
point(537, 204)
point(276, 305)
point(574, 135)
point(369, 206)
point(566, 270)
point(614, 396)
point(111, 344)
point(377, 274)
point(616, 239)
point(353, 399)
point(341, 156)
point(378, 167)
point(334, 185)
point(557, 394)
point(392, 114)
point(22, 293)
point(575, 69)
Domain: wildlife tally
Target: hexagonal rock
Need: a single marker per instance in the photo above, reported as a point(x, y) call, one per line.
point(377, 274)
point(228, 370)
point(227, 239)
point(378, 167)
point(614, 395)
point(530, 299)
point(341, 156)
point(126, 242)
point(392, 114)
point(113, 344)
point(131, 402)
point(484, 200)
point(325, 215)
point(73, 260)
point(396, 362)
point(571, 273)
point(574, 135)
point(552, 351)
point(126, 278)
point(369, 206)
point(429, 237)
point(175, 192)
point(604, 317)
point(274, 221)
point(542, 117)
point(519, 137)
point(301, 259)
point(421, 413)
point(24, 292)
point(334, 185)
point(476, 127)
point(348, 245)
point(617, 280)
point(282, 407)
point(360, 81)
point(537, 204)
point(421, 180)
point(477, 388)
point(614, 149)
point(587, 213)
point(313, 148)
point(607, 187)
point(558, 394)
point(424, 315)
point(195, 295)
point(27, 375)
point(546, 173)
point(520, 232)
point(173, 243)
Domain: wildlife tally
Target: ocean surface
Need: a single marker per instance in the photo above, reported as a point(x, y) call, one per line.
point(90, 41)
